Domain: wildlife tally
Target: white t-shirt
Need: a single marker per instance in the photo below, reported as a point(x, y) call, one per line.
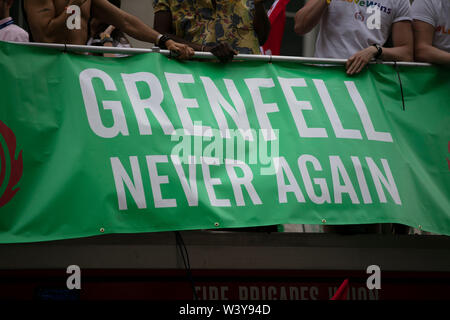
point(436, 13)
point(344, 26)
point(12, 32)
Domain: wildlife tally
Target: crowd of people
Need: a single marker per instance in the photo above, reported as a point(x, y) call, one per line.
point(405, 32)
point(419, 32)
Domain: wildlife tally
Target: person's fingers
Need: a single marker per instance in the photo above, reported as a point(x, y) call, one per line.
point(223, 58)
point(181, 51)
point(230, 50)
point(174, 48)
point(218, 51)
point(229, 54)
point(226, 53)
point(110, 29)
point(221, 54)
point(185, 52)
point(189, 51)
point(181, 54)
point(177, 48)
point(349, 62)
point(171, 46)
point(223, 49)
point(352, 65)
point(355, 67)
point(215, 51)
point(361, 66)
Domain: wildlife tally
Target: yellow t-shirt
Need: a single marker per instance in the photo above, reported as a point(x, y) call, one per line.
point(198, 22)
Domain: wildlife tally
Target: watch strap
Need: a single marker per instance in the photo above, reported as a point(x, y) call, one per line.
point(106, 39)
point(162, 41)
point(379, 50)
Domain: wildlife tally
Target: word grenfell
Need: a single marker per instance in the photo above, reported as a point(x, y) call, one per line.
point(220, 107)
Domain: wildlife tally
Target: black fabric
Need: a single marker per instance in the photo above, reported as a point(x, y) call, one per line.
point(117, 3)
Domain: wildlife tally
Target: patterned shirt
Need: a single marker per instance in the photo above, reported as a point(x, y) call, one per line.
point(198, 22)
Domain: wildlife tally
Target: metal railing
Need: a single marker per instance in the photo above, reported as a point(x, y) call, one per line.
point(205, 55)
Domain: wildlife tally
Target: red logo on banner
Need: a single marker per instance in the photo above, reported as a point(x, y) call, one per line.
point(15, 167)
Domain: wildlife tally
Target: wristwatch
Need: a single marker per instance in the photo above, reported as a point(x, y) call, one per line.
point(161, 41)
point(379, 50)
point(106, 39)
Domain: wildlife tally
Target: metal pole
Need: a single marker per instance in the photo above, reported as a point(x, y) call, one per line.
point(204, 55)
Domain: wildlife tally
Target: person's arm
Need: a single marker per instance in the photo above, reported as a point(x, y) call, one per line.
point(403, 43)
point(105, 11)
point(261, 22)
point(106, 35)
point(309, 16)
point(163, 24)
point(44, 23)
point(424, 50)
point(402, 37)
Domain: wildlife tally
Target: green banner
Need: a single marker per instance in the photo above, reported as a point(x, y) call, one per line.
point(93, 145)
